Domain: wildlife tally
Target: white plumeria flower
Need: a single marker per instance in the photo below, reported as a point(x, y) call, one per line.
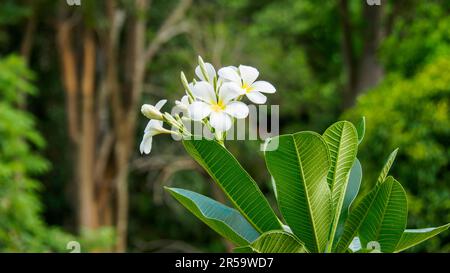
point(220, 108)
point(183, 105)
point(245, 77)
point(154, 127)
point(210, 71)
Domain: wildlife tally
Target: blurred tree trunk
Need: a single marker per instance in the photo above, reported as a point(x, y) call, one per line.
point(370, 71)
point(363, 71)
point(110, 98)
point(87, 149)
point(27, 44)
point(348, 53)
point(29, 32)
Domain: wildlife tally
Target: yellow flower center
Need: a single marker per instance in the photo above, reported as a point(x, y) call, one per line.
point(217, 107)
point(247, 88)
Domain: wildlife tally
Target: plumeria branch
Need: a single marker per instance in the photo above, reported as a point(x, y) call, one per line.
point(214, 99)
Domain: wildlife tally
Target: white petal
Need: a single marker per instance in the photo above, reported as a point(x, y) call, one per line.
point(229, 91)
point(220, 121)
point(185, 100)
point(204, 91)
point(150, 124)
point(263, 86)
point(256, 97)
point(237, 109)
point(229, 73)
point(160, 104)
point(199, 110)
point(209, 69)
point(146, 144)
point(248, 74)
point(153, 127)
point(183, 104)
point(181, 108)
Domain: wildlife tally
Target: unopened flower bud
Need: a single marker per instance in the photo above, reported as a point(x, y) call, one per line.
point(151, 112)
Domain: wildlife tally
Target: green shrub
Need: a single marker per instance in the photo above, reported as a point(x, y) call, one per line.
point(22, 228)
point(413, 114)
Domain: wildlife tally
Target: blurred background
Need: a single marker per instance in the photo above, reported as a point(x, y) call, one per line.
point(72, 79)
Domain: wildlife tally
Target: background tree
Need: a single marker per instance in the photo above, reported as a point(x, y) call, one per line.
point(22, 228)
point(414, 102)
point(95, 64)
point(104, 139)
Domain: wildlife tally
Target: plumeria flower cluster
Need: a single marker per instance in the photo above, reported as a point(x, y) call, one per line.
point(213, 98)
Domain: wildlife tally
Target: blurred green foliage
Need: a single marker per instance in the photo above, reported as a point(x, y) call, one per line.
point(412, 114)
point(296, 45)
point(22, 228)
point(410, 109)
point(11, 14)
point(417, 38)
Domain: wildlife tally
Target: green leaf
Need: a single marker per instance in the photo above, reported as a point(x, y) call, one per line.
point(386, 220)
point(276, 241)
point(354, 184)
point(224, 220)
point(274, 187)
point(236, 183)
point(300, 166)
point(342, 141)
point(243, 249)
point(387, 167)
point(361, 129)
point(380, 216)
point(413, 237)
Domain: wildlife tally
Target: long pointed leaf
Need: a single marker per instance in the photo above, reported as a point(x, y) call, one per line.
point(387, 166)
point(354, 221)
point(342, 141)
point(361, 128)
point(300, 166)
point(380, 216)
point(276, 241)
point(386, 220)
point(237, 184)
point(224, 220)
point(413, 237)
point(354, 184)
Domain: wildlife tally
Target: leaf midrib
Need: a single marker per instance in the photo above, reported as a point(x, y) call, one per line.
point(226, 193)
point(337, 158)
point(378, 231)
point(338, 208)
point(307, 199)
point(364, 217)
